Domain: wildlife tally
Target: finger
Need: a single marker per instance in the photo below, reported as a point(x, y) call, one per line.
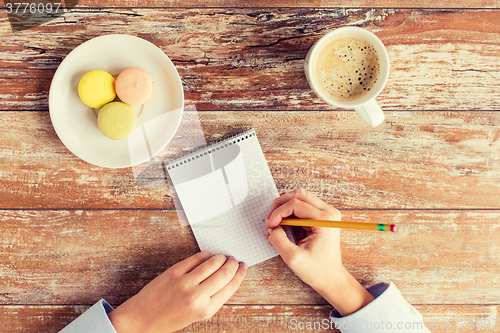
point(278, 202)
point(207, 268)
point(282, 244)
point(221, 297)
point(300, 194)
point(187, 265)
point(221, 277)
point(295, 207)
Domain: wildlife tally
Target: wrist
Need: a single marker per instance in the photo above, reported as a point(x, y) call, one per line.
point(119, 320)
point(346, 294)
point(127, 319)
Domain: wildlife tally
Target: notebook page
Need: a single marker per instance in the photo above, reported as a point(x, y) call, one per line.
point(225, 190)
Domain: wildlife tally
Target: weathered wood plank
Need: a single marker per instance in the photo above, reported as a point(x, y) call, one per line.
point(290, 3)
point(253, 58)
point(414, 160)
point(253, 318)
point(77, 257)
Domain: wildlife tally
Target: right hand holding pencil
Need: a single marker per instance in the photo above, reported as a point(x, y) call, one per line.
point(320, 249)
point(316, 259)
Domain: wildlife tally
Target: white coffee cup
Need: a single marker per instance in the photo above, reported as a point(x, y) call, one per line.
point(365, 105)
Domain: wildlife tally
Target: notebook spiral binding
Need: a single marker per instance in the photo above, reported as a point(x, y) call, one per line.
point(220, 144)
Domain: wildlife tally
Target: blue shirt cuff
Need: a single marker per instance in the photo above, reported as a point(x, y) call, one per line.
point(388, 312)
point(95, 319)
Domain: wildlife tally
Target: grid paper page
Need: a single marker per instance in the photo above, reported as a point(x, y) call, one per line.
point(237, 229)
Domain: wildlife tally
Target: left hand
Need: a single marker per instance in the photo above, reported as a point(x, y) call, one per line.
point(189, 291)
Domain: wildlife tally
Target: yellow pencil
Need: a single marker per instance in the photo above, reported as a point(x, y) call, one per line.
point(340, 224)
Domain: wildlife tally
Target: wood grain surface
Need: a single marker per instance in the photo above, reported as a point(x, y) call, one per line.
point(253, 59)
point(72, 233)
point(78, 256)
point(256, 318)
point(290, 3)
point(392, 4)
point(414, 160)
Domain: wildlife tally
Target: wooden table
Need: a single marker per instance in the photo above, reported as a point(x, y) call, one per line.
point(72, 233)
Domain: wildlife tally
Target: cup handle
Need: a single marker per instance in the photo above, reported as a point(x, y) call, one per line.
point(371, 113)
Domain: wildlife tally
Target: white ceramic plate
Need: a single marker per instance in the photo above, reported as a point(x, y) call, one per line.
point(76, 124)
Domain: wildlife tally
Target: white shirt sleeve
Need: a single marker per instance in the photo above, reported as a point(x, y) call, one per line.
point(95, 319)
point(388, 312)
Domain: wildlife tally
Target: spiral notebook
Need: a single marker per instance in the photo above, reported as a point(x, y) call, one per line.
point(225, 190)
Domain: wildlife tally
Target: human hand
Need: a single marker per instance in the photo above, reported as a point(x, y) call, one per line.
point(316, 259)
point(191, 290)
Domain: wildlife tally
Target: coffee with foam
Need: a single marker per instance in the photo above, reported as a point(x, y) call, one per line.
point(346, 69)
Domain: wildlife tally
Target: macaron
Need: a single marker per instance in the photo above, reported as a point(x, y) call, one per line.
point(97, 88)
point(117, 120)
point(134, 86)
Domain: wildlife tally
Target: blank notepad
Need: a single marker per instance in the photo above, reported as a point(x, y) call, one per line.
point(226, 190)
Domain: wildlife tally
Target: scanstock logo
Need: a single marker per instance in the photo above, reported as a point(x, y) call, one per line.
point(25, 14)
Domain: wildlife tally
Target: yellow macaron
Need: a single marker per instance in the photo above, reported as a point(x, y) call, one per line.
point(117, 120)
point(96, 88)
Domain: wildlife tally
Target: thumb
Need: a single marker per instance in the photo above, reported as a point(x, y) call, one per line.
point(282, 244)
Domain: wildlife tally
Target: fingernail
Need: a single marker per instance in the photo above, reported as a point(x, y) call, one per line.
point(243, 265)
point(268, 233)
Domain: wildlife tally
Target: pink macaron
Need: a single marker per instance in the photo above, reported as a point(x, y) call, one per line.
point(134, 86)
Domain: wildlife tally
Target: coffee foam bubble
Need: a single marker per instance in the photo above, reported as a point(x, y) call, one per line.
point(347, 69)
